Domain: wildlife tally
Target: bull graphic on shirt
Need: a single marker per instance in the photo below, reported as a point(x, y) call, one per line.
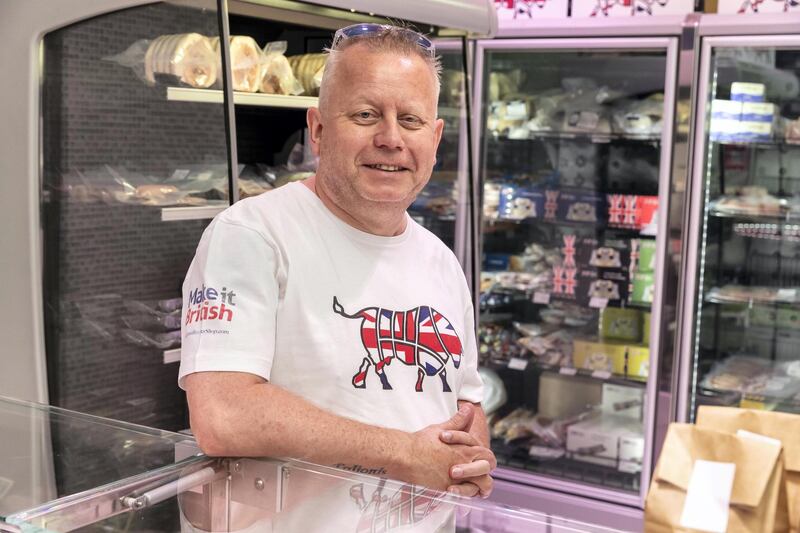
point(421, 337)
point(408, 506)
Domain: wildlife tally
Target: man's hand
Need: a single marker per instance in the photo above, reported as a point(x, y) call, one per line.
point(474, 478)
point(471, 479)
point(432, 459)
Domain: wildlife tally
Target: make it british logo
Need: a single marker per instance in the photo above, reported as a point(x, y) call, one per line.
point(209, 303)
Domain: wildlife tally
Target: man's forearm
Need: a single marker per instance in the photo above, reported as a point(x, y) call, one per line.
point(254, 419)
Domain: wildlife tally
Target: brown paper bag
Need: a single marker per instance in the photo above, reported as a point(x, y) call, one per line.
point(756, 483)
point(782, 426)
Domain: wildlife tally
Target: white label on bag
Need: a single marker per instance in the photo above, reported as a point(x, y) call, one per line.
point(757, 436)
point(708, 496)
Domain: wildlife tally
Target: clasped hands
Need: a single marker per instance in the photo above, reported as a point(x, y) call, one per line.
point(469, 463)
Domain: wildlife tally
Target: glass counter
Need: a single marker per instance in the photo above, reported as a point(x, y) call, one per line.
point(65, 471)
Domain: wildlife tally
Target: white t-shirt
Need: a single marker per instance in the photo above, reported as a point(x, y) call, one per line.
point(281, 288)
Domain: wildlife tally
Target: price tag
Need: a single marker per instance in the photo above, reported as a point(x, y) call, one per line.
point(567, 371)
point(541, 298)
point(601, 374)
point(517, 363)
point(598, 303)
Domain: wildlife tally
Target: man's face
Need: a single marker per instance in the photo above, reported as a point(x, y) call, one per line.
point(377, 134)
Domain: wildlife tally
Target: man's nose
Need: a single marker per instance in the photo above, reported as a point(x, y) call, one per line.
point(389, 135)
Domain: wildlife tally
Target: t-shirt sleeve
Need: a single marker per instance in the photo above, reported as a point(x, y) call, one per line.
point(471, 386)
point(230, 297)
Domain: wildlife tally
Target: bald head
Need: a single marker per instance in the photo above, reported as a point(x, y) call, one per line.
point(392, 40)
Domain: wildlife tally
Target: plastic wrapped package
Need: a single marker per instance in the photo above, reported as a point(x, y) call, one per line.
point(639, 118)
point(245, 62)
point(504, 85)
point(452, 87)
point(187, 57)
point(277, 76)
point(166, 322)
point(308, 69)
point(736, 372)
point(147, 339)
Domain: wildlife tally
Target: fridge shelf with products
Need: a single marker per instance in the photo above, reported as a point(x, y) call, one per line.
point(529, 360)
point(772, 144)
point(749, 294)
point(572, 162)
point(739, 336)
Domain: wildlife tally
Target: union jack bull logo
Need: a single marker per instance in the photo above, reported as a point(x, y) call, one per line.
point(421, 337)
point(409, 506)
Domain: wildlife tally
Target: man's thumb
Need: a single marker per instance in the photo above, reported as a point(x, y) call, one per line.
point(462, 420)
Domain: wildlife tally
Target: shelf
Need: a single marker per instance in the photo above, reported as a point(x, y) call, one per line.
point(778, 143)
point(172, 356)
point(214, 96)
point(786, 216)
point(598, 225)
point(594, 138)
point(521, 364)
point(776, 231)
point(171, 214)
point(751, 401)
point(510, 456)
point(768, 295)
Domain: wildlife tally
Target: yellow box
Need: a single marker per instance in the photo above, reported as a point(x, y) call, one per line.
point(638, 361)
point(646, 329)
point(605, 356)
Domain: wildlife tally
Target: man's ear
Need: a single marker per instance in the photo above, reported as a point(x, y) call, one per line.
point(437, 132)
point(314, 121)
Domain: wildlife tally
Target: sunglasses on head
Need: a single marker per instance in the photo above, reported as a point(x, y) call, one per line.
point(364, 29)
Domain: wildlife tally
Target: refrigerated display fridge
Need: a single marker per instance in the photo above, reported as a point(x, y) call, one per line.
point(576, 145)
point(740, 322)
point(128, 133)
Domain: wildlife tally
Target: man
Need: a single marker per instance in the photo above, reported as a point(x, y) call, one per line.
point(321, 322)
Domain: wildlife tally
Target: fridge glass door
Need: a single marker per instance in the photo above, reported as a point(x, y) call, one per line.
point(575, 151)
point(745, 349)
point(133, 169)
point(441, 205)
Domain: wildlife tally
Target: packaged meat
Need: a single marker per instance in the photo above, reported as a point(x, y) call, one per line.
point(308, 69)
point(276, 72)
point(189, 57)
point(245, 62)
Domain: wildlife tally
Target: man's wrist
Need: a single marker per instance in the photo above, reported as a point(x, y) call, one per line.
point(400, 449)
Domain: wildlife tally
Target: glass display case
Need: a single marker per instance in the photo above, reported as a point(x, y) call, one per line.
point(740, 340)
point(147, 134)
point(67, 471)
point(576, 143)
point(129, 177)
point(443, 205)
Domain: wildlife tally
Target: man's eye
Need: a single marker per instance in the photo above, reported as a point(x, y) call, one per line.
point(411, 121)
point(365, 115)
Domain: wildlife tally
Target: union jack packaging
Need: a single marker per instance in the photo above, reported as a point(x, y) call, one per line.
point(631, 211)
